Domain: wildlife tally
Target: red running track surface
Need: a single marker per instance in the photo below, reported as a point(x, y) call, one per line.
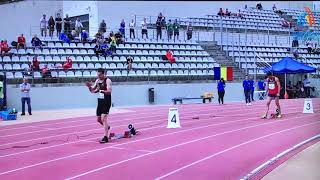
point(215, 142)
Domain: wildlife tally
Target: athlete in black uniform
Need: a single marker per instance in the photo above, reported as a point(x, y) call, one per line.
point(102, 86)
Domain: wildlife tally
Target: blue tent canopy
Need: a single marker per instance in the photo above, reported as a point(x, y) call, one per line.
point(289, 66)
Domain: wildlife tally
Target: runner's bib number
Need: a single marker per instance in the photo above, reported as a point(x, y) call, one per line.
point(101, 95)
point(271, 86)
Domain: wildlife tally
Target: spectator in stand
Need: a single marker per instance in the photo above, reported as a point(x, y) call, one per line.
point(144, 28)
point(113, 44)
point(67, 64)
point(163, 22)
point(58, 24)
point(129, 62)
point(315, 48)
point(25, 96)
point(295, 43)
point(259, 6)
point(160, 16)
point(119, 37)
point(239, 14)
point(189, 31)
point(84, 36)
point(63, 37)
point(36, 42)
point(35, 64)
point(4, 47)
point(122, 28)
point(78, 26)
point(97, 49)
point(45, 72)
point(103, 27)
point(67, 24)
point(245, 6)
point(176, 27)
point(220, 13)
point(99, 35)
point(73, 34)
point(43, 25)
point(21, 42)
point(159, 29)
point(274, 8)
point(169, 30)
point(169, 57)
point(228, 13)
point(51, 24)
point(132, 25)
point(309, 45)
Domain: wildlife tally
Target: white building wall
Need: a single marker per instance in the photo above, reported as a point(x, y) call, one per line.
point(24, 17)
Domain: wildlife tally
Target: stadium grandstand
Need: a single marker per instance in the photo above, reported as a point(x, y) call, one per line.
point(224, 61)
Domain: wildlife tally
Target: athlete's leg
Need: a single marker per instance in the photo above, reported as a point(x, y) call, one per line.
point(269, 99)
point(104, 118)
point(99, 120)
point(277, 101)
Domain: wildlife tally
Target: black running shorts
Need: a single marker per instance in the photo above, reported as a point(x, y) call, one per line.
point(103, 106)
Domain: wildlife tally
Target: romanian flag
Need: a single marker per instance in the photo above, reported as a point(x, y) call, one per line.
point(223, 72)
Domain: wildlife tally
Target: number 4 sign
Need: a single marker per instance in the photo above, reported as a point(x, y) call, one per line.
point(307, 108)
point(173, 118)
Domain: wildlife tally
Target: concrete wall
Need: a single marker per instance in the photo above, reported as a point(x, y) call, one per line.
point(122, 95)
point(24, 17)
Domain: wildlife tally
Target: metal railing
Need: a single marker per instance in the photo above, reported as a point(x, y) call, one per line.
point(127, 77)
point(262, 64)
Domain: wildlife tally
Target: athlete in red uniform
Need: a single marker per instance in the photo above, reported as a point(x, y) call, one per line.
point(273, 90)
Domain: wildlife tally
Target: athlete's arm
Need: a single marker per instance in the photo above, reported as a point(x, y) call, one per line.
point(92, 89)
point(109, 87)
point(279, 86)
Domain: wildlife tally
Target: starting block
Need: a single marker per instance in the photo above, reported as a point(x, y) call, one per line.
point(126, 134)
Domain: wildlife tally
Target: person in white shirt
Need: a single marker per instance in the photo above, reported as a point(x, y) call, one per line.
point(132, 24)
point(78, 26)
point(43, 25)
point(306, 86)
point(144, 29)
point(25, 96)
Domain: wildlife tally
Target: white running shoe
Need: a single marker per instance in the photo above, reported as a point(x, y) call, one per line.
point(249, 104)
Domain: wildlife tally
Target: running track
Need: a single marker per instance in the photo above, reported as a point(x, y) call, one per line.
point(215, 142)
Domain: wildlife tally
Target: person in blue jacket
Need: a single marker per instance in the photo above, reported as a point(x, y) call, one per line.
point(261, 87)
point(246, 89)
point(221, 86)
point(252, 86)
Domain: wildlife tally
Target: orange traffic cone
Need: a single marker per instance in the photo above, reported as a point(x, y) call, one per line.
point(286, 96)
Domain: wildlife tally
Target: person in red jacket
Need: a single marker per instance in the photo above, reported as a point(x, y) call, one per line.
point(35, 64)
point(68, 64)
point(169, 56)
point(4, 47)
point(46, 73)
point(21, 42)
point(273, 90)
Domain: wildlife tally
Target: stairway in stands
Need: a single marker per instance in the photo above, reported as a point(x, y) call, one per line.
point(222, 58)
